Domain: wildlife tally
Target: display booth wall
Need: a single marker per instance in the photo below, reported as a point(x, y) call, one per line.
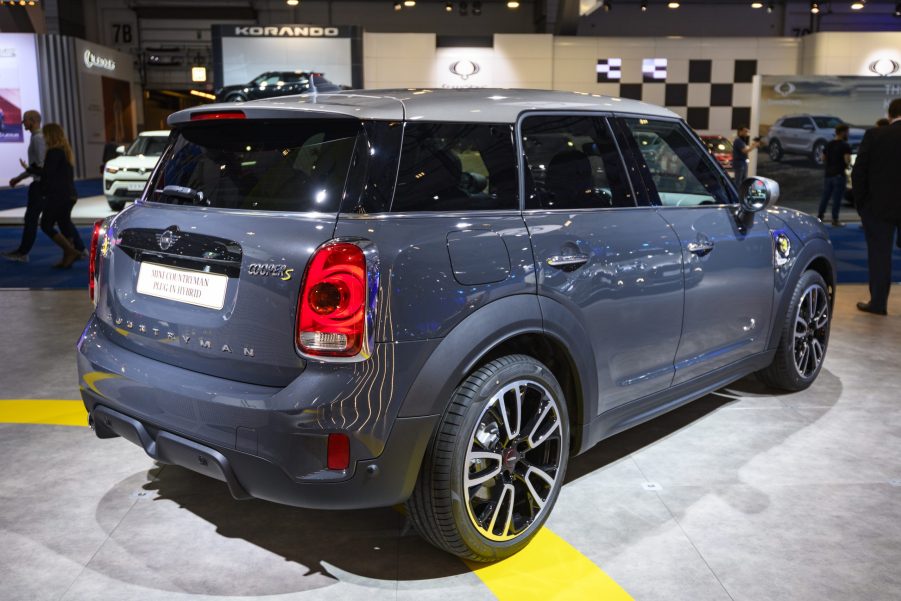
point(19, 92)
point(93, 92)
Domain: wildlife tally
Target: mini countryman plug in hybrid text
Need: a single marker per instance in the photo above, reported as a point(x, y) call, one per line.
point(436, 297)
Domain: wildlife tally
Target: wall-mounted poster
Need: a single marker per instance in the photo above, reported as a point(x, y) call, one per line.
point(19, 92)
point(797, 117)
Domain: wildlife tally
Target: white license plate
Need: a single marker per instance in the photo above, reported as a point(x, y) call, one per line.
point(134, 186)
point(183, 285)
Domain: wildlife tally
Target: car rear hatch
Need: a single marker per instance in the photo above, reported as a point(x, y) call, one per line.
point(205, 271)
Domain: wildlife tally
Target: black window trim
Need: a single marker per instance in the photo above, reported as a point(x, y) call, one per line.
point(648, 182)
point(606, 117)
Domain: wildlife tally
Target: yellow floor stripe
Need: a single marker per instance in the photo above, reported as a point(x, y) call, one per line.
point(548, 568)
point(39, 411)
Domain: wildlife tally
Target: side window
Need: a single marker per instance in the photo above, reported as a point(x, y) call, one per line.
point(457, 167)
point(572, 163)
point(794, 123)
point(681, 171)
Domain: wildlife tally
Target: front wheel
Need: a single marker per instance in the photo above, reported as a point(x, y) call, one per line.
point(496, 463)
point(805, 336)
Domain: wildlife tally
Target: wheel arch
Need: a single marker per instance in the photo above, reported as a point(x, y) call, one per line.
point(512, 325)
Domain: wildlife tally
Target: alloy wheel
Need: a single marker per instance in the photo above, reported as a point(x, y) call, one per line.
point(811, 330)
point(512, 465)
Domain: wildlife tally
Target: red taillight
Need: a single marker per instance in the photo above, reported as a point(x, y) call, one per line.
point(92, 266)
point(210, 115)
point(331, 310)
point(338, 452)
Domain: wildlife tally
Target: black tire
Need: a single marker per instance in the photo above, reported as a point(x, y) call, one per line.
point(235, 98)
point(441, 507)
point(116, 205)
point(775, 150)
point(784, 372)
point(816, 153)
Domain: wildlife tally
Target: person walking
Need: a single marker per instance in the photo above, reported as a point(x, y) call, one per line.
point(836, 158)
point(58, 186)
point(31, 121)
point(876, 178)
point(741, 148)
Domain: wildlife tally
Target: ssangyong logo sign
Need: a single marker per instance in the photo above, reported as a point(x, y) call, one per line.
point(464, 69)
point(92, 61)
point(288, 31)
point(786, 88)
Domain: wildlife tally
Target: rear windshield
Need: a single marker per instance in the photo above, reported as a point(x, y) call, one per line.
point(262, 165)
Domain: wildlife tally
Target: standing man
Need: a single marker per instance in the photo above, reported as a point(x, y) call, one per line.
point(877, 193)
point(741, 148)
point(836, 158)
point(31, 120)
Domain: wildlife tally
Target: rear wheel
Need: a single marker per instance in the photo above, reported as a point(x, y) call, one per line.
point(495, 465)
point(776, 152)
point(235, 98)
point(816, 153)
point(805, 336)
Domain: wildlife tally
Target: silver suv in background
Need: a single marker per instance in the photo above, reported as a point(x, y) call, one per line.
point(806, 135)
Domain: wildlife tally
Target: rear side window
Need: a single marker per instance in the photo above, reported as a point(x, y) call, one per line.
point(572, 163)
point(456, 167)
point(262, 165)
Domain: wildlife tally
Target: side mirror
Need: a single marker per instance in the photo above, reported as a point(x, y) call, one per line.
point(756, 194)
point(120, 149)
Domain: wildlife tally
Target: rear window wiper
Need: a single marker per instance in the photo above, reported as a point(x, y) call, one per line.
point(195, 197)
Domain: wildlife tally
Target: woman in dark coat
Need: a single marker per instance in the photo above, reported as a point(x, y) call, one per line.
point(58, 188)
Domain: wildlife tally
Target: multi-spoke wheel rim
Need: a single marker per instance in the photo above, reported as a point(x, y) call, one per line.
point(513, 462)
point(811, 330)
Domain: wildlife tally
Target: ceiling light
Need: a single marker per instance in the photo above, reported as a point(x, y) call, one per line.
point(477, 8)
point(770, 7)
point(815, 8)
point(292, 2)
point(513, 4)
point(898, 10)
point(673, 5)
point(449, 7)
point(398, 6)
point(608, 5)
point(858, 5)
point(757, 5)
point(644, 6)
point(409, 3)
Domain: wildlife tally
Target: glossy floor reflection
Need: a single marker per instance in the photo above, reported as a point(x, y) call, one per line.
point(743, 494)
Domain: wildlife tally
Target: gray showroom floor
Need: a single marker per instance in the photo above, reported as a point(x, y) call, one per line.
point(742, 495)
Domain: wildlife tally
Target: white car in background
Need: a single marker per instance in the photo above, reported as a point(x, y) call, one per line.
point(125, 176)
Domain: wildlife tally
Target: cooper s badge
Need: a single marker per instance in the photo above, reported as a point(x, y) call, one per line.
point(282, 272)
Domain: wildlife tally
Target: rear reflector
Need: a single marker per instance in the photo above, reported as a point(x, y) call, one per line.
point(92, 265)
point(211, 115)
point(338, 452)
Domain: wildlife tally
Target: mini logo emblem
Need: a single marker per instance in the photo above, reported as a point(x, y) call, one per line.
point(167, 239)
point(464, 69)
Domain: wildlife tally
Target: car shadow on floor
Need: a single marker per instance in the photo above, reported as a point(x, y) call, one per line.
point(379, 545)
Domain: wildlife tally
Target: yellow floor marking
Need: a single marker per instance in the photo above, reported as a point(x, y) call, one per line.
point(39, 411)
point(548, 568)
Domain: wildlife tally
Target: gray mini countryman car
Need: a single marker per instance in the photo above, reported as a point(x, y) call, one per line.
point(436, 297)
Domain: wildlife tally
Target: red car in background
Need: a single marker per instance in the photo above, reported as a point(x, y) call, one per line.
point(721, 149)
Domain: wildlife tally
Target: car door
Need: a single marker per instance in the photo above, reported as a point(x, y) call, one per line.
point(727, 267)
point(612, 263)
point(265, 88)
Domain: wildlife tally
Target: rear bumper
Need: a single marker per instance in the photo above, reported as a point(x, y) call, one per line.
point(264, 442)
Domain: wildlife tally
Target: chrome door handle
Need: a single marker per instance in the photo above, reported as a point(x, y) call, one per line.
point(567, 260)
point(700, 248)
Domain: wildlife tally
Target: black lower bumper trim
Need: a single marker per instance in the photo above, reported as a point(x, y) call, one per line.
point(169, 448)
